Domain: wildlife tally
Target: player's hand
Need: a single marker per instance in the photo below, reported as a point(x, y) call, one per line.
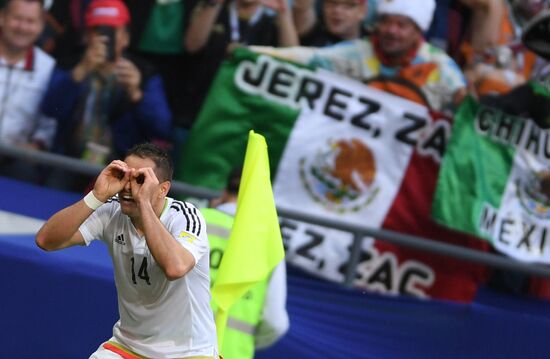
point(111, 180)
point(144, 184)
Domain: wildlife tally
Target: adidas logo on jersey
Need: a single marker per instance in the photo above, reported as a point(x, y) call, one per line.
point(120, 239)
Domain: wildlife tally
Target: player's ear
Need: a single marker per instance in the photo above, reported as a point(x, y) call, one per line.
point(164, 188)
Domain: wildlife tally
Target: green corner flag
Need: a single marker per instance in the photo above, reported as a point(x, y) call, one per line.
point(255, 245)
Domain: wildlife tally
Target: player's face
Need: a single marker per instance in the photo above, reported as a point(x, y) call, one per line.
point(127, 203)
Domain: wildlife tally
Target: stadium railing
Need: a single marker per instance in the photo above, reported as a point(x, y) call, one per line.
point(359, 232)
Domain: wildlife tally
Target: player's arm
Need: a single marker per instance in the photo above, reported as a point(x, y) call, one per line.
point(61, 230)
point(170, 255)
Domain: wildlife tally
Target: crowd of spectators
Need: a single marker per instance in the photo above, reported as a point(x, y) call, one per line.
point(99, 101)
point(91, 78)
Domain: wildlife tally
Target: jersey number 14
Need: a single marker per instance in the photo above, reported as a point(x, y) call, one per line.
point(142, 273)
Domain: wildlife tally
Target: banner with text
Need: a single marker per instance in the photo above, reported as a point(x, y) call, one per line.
point(498, 166)
point(341, 150)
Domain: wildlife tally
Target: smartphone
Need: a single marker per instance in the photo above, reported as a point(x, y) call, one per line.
point(109, 32)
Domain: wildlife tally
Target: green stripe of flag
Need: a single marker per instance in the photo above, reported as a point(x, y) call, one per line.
point(474, 171)
point(218, 139)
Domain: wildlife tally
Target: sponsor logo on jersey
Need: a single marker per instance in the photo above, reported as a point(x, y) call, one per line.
point(186, 236)
point(120, 239)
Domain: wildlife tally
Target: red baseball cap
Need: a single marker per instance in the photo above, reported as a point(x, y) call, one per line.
point(107, 13)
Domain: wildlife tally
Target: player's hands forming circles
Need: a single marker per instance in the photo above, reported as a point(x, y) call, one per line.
point(111, 180)
point(144, 184)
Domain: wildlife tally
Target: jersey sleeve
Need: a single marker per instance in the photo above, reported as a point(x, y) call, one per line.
point(93, 226)
point(188, 227)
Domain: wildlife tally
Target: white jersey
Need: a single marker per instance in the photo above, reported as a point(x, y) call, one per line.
point(158, 318)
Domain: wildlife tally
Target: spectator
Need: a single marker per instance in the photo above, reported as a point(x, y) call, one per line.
point(524, 13)
point(25, 71)
point(341, 20)
point(525, 10)
point(530, 100)
point(396, 50)
point(438, 33)
point(371, 13)
point(63, 37)
point(106, 105)
point(494, 60)
point(157, 28)
point(259, 318)
point(215, 24)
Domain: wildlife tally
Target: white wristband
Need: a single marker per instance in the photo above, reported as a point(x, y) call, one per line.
point(91, 201)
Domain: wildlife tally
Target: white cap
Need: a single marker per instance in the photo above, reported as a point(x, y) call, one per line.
point(419, 11)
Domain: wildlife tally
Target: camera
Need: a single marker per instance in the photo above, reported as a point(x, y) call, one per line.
point(109, 32)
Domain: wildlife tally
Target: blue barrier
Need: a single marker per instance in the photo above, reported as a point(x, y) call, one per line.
point(63, 305)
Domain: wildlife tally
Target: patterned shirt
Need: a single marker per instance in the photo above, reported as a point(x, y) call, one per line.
point(440, 77)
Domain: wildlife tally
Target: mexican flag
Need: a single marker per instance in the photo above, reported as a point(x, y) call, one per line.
point(341, 150)
point(495, 182)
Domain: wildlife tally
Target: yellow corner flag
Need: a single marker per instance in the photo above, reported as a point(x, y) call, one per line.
point(255, 245)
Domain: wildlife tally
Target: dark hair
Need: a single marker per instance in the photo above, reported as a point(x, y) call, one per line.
point(163, 162)
point(234, 180)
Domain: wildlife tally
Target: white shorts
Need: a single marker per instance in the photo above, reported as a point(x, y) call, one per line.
point(102, 353)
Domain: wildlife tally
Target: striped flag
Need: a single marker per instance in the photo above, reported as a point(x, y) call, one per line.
point(495, 182)
point(341, 150)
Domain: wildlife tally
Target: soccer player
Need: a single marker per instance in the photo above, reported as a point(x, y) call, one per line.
point(159, 249)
